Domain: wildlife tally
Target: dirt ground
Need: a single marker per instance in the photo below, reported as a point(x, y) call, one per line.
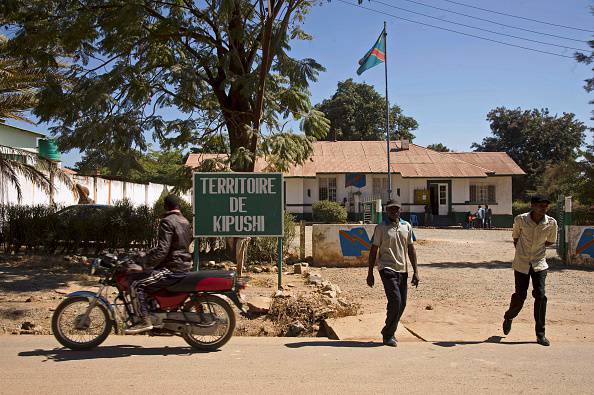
point(466, 278)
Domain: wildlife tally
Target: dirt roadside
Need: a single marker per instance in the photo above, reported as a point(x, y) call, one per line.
point(466, 279)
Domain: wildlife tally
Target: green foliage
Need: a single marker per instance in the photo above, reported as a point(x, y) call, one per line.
point(25, 226)
point(159, 208)
point(264, 249)
point(574, 177)
point(582, 214)
point(122, 225)
point(160, 167)
point(520, 207)
point(358, 112)
point(19, 84)
point(588, 59)
point(329, 212)
point(534, 139)
point(17, 163)
point(179, 71)
point(439, 147)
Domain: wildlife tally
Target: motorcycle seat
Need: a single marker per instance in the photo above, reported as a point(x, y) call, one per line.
point(212, 281)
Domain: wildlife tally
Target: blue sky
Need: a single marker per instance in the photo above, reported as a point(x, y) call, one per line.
point(446, 81)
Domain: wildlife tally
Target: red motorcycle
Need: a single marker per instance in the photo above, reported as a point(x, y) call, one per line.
point(195, 308)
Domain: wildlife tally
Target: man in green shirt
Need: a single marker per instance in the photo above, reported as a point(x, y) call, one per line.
point(393, 248)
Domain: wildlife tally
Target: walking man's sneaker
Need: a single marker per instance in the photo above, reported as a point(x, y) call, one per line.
point(506, 326)
point(543, 341)
point(390, 341)
point(144, 325)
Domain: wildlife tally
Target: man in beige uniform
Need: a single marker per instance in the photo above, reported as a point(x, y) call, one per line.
point(393, 247)
point(533, 233)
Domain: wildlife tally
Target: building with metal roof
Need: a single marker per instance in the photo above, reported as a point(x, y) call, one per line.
point(355, 172)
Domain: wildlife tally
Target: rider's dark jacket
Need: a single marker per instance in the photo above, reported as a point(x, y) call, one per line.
point(171, 252)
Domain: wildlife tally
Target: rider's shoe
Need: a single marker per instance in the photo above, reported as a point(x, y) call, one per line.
point(507, 323)
point(390, 341)
point(143, 326)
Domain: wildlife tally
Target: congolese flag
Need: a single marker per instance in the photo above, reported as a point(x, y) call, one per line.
point(374, 56)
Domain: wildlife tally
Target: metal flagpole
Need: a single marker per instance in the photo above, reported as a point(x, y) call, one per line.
point(387, 113)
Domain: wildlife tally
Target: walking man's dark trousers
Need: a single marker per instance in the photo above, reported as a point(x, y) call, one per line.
point(538, 292)
point(395, 287)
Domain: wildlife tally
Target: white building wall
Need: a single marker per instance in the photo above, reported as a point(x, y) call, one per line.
point(310, 193)
point(297, 192)
point(460, 191)
point(294, 195)
point(503, 194)
point(101, 190)
point(413, 185)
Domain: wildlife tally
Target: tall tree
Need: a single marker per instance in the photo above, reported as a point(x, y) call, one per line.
point(358, 112)
point(574, 177)
point(216, 64)
point(439, 147)
point(535, 140)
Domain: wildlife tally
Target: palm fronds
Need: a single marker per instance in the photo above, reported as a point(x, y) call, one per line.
point(19, 85)
point(39, 171)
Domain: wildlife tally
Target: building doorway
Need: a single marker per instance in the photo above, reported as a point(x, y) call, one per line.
point(438, 196)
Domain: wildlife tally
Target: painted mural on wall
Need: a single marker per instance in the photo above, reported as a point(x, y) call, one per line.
point(585, 243)
point(581, 246)
point(354, 241)
point(356, 180)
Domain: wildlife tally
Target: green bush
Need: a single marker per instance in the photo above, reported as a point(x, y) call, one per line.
point(582, 214)
point(264, 249)
point(186, 208)
point(520, 207)
point(25, 226)
point(329, 212)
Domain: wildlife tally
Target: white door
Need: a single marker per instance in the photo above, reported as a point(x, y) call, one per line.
point(442, 198)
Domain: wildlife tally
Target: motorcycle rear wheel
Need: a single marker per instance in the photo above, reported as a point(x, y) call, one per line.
point(221, 309)
point(80, 339)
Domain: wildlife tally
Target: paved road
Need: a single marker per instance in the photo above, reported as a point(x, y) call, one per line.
point(34, 364)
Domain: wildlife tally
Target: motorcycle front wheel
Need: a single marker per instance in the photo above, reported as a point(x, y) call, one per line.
point(212, 308)
point(76, 330)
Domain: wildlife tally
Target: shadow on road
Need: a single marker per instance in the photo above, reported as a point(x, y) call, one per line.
point(555, 265)
point(120, 351)
point(492, 339)
point(335, 343)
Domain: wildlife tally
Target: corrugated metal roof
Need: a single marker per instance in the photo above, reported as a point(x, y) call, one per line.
point(499, 162)
point(370, 157)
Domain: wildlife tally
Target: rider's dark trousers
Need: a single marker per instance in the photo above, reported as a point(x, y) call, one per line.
point(151, 282)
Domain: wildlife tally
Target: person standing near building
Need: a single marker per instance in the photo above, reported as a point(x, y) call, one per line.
point(480, 216)
point(428, 215)
point(393, 248)
point(488, 216)
point(533, 232)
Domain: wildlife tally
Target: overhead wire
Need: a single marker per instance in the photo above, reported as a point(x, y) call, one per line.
point(480, 28)
point(457, 31)
point(520, 17)
point(487, 20)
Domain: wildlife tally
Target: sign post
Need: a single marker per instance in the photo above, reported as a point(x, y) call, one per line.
point(238, 205)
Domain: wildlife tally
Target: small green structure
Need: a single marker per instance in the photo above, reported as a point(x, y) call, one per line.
point(48, 149)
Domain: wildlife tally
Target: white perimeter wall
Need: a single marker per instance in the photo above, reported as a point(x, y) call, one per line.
point(101, 190)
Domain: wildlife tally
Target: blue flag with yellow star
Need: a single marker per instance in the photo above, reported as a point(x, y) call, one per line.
point(375, 56)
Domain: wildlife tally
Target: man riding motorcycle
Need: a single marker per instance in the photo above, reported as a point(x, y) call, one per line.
point(164, 265)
